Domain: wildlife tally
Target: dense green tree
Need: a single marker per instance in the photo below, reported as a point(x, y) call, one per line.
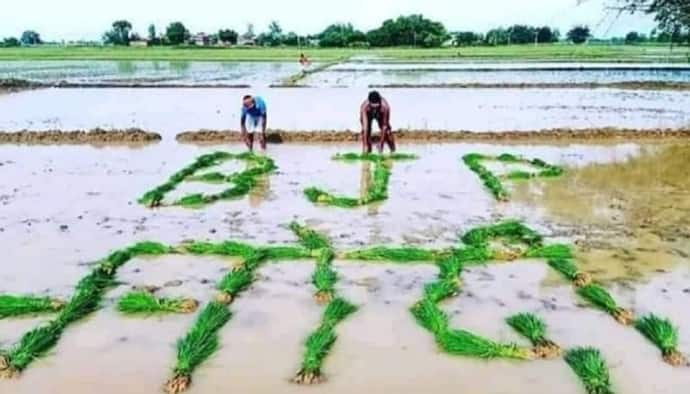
point(633, 38)
point(409, 30)
point(228, 36)
point(152, 32)
point(10, 42)
point(30, 37)
point(521, 34)
point(464, 38)
point(497, 36)
point(547, 35)
point(340, 35)
point(176, 33)
point(579, 34)
point(119, 34)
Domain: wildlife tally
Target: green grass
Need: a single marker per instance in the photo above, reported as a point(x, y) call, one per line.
point(242, 182)
point(199, 344)
point(319, 344)
point(144, 303)
point(398, 255)
point(559, 51)
point(309, 238)
point(589, 365)
point(15, 306)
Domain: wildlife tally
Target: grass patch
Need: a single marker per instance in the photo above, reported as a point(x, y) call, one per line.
point(15, 306)
point(376, 193)
point(144, 303)
point(242, 182)
point(320, 342)
point(603, 300)
point(198, 345)
point(589, 365)
point(664, 335)
point(533, 328)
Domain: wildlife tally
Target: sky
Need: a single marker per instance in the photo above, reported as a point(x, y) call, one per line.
point(69, 20)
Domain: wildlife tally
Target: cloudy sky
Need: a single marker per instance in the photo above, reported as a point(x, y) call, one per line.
point(88, 19)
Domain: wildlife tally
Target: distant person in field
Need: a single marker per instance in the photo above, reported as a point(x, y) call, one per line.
point(376, 108)
point(304, 61)
point(253, 113)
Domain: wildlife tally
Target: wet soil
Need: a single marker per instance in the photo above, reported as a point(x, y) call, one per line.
point(94, 136)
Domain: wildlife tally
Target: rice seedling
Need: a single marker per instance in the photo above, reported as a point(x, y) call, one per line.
point(324, 277)
point(379, 188)
point(513, 231)
point(31, 346)
point(569, 270)
point(450, 268)
point(319, 344)
point(601, 298)
point(492, 181)
point(553, 251)
point(145, 303)
point(664, 335)
point(589, 365)
point(243, 182)
point(309, 238)
point(533, 328)
point(430, 316)
point(397, 255)
point(473, 255)
point(278, 253)
point(149, 249)
point(197, 346)
point(14, 306)
point(227, 249)
point(465, 343)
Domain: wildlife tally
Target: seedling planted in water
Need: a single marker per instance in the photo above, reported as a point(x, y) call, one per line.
point(601, 298)
point(590, 367)
point(533, 328)
point(15, 306)
point(664, 335)
point(145, 303)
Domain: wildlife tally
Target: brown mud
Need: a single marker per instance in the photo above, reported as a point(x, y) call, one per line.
point(76, 137)
point(424, 136)
point(625, 85)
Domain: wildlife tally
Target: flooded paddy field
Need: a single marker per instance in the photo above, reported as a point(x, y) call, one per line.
point(171, 111)
point(136, 261)
point(623, 206)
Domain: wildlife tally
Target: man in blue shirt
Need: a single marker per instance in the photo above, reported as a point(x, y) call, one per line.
point(253, 112)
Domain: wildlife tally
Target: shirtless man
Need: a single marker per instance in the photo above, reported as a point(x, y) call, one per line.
point(376, 108)
point(254, 112)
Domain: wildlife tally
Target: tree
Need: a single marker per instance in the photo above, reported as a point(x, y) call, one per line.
point(497, 36)
point(521, 34)
point(411, 30)
point(30, 37)
point(579, 34)
point(341, 35)
point(632, 38)
point(228, 36)
point(672, 16)
point(176, 33)
point(119, 34)
point(547, 35)
point(10, 42)
point(152, 32)
point(464, 38)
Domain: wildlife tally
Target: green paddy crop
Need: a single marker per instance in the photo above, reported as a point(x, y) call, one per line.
point(145, 303)
point(242, 182)
point(493, 182)
point(15, 306)
point(603, 300)
point(533, 328)
point(376, 193)
point(589, 365)
point(664, 335)
point(398, 255)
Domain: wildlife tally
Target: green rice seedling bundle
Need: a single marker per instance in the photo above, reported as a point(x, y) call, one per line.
point(279, 253)
point(320, 342)
point(569, 270)
point(324, 277)
point(474, 254)
point(664, 335)
point(450, 268)
point(197, 346)
point(553, 251)
point(32, 345)
point(145, 303)
point(430, 316)
point(227, 249)
point(14, 306)
point(465, 343)
point(601, 298)
point(589, 365)
point(398, 255)
point(491, 181)
point(533, 328)
point(512, 230)
point(442, 289)
point(309, 238)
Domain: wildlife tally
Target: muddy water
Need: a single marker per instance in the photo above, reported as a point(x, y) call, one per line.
point(62, 208)
point(171, 111)
point(157, 72)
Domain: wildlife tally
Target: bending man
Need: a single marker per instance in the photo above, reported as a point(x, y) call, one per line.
point(376, 108)
point(254, 112)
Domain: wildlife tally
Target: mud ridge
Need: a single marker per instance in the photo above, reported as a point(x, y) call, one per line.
point(422, 136)
point(77, 137)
